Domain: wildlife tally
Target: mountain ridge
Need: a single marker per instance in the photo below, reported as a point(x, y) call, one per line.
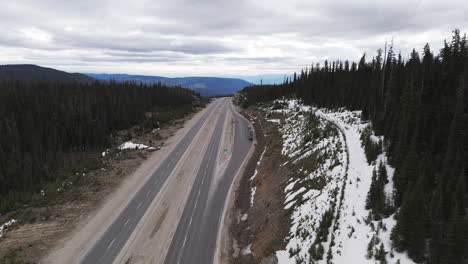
point(31, 72)
point(206, 86)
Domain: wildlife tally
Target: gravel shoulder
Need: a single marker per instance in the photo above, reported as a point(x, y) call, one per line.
point(231, 214)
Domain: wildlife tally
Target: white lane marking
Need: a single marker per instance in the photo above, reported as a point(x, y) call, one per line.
point(128, 220)
point(156, 181)
point(113, 240)
point(148, 193)
point(185, 240)
point(138, 205)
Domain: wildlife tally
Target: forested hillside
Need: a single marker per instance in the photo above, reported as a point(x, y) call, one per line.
point(420, 104)
point(27, 72)
point(41, 121)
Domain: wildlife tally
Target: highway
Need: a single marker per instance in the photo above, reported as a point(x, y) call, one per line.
point(195, 237)
point(106, 249)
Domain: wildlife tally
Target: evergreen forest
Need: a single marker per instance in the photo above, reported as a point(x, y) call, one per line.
point(420, 105)
point(41, 121)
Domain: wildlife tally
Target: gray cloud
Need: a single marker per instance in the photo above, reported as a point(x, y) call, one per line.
point(186, 37)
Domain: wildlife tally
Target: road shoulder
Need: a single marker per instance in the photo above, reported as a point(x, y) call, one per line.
point(224, 245)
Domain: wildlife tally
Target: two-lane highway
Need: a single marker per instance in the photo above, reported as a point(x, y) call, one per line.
point(106, 249)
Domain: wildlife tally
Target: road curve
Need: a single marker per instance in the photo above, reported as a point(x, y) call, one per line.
point(106, 249)
point(195, 239)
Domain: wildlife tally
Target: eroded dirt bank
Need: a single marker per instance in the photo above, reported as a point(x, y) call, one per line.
point(259, 223)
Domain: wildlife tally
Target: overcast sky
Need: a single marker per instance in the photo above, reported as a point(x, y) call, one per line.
point(215, 37)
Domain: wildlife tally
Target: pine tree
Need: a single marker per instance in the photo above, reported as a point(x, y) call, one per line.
point(376, 199)
point(383, 173)
point(409, 231)
point(370, 200)
point(381, 255)
point(370, 249)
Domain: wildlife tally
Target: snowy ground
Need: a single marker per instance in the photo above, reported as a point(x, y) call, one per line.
point(343, 165)
point(253, 189)
point(5, 226)
point(353, 216)
point(129, 145)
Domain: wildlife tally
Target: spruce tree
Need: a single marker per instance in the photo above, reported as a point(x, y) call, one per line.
point(381, 255)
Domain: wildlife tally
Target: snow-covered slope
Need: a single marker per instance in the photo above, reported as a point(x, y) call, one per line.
point(328, 200)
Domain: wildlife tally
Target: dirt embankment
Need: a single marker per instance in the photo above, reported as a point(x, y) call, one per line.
point(45, 222)
point(259, 230)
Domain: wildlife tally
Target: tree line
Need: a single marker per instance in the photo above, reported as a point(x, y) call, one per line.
point(41, 121)
point(420, 105)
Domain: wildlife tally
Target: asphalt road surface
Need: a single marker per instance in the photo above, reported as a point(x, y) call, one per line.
point(195, 239)
point(106, 249)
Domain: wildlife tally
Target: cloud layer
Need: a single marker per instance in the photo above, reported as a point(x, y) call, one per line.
point(215, 37)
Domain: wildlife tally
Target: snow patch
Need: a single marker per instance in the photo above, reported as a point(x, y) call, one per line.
point(246, 250)
point(131, 145)
point(105, 153)
point(244, 217)
point(253, 188)
point(5, 226)
point(252, 195)
point(277, 121)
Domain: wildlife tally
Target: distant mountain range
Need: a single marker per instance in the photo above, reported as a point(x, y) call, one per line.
point(28, 72)
point(206, 86)
point(265, 78)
